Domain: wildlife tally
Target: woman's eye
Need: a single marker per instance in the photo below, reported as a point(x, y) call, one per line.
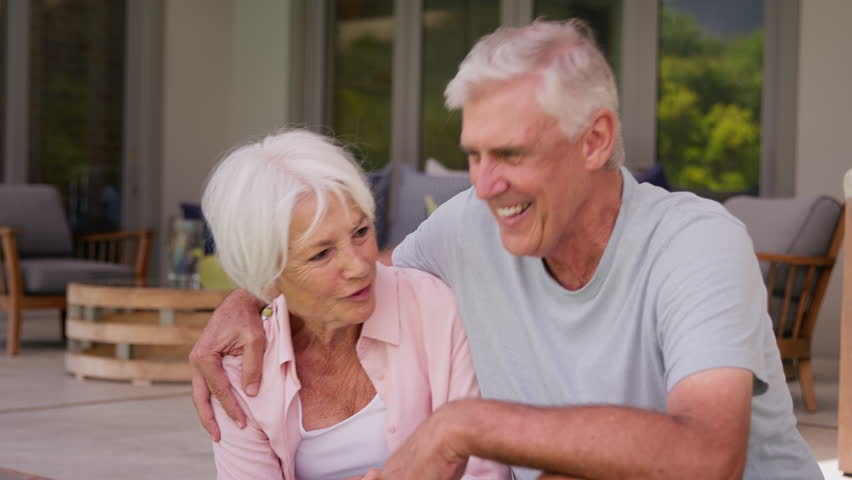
point(362, 232)
point(320, 255)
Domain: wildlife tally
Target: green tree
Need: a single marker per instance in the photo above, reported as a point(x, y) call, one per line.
point(709, 106)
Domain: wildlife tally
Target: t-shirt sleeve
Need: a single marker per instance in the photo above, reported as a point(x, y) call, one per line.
point(432, 247)
point(711, 302)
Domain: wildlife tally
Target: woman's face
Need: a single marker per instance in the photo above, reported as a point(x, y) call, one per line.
point(330, 275)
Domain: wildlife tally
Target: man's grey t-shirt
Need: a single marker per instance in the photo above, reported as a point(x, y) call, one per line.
point(677, 291)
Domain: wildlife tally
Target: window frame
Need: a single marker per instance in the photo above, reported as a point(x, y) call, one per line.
point(637, 81)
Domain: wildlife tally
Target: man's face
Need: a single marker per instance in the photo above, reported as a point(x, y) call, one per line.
point(522, 165)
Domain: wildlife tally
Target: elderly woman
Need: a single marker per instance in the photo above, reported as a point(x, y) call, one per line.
point(358, 354)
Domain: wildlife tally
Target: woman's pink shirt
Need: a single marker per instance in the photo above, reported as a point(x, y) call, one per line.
point(413, 348)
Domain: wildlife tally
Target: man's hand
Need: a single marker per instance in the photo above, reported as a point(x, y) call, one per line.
point(234, 329)
point(432, 452)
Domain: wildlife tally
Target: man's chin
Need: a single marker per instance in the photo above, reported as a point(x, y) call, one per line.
point(519, 247)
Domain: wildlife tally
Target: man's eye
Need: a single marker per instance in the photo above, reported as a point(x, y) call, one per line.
point(321, 255)
point(362, 232)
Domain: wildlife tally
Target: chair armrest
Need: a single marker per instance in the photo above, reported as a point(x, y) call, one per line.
point(795, 260)
point(114, 235)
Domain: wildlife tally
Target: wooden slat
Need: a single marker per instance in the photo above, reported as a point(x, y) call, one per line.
point(111, 332)
point(788, 295)
point(115, 369)
point(803, 301)
point(136, 298)
point(145, 317)
point(770, 285)
point(795, 347)
point(46, 302)
point(794, 259)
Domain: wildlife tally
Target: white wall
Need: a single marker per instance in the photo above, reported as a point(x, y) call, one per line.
point(824, 128)
point(259, 75)
point(224, 80)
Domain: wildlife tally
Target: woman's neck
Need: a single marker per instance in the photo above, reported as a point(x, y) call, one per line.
point(322, 335)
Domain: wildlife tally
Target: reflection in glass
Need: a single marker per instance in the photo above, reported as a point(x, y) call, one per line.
point(363, 49)
point(450, 28)
point(710, 86)
point(76, 106)
point(604, 16)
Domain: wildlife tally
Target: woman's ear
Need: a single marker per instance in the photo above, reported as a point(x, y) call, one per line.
point(599, 139)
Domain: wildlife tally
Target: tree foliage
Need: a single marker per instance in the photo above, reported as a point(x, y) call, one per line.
point(708, 112)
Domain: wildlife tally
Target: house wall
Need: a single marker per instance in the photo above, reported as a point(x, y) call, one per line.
point(224, 80)
point(824, 128)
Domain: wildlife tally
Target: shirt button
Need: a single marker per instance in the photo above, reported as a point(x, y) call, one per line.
point(380, 376)
point(391, 429)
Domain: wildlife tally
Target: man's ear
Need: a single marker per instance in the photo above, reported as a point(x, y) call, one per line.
point(599, 139)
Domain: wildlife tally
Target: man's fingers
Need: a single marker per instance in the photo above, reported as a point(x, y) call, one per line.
point(253, 363)
point(554, 476)
point(201, 399)
point(211, 370)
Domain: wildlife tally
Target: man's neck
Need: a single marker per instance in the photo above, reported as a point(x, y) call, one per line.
point(579, 253)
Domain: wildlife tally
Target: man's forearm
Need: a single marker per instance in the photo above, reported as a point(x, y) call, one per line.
point(594, 442)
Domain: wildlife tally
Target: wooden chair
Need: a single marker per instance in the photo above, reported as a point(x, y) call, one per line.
point(36, 258)
point(796, 276)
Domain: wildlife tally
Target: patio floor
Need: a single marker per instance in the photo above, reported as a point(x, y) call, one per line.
point(53, 426)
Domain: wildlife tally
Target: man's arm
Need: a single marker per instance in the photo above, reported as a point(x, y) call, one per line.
point(704, 434)
point(235, 328)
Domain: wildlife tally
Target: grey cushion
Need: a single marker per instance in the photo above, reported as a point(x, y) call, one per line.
point(789, 226)
point(36, 211)
point(410, 205)
point(52, 275)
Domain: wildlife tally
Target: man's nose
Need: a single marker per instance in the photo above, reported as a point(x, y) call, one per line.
point(487, 179)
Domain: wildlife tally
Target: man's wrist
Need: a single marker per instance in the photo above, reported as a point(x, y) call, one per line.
point(242, 298)
point(460, 426)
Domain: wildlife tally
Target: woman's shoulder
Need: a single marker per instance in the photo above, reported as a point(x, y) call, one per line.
point(420, 298)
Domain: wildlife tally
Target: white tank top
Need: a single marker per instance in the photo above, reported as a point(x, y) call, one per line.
point(346, 449)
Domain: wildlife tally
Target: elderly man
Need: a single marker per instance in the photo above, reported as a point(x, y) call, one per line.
point(618, 330)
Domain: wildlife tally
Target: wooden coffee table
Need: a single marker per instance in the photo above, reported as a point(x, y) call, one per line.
point(120, 331)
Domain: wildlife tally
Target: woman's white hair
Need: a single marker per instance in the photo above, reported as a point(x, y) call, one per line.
point(576, 78)
point(250, 195)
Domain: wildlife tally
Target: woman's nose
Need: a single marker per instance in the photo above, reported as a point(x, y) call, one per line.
point(356, 264)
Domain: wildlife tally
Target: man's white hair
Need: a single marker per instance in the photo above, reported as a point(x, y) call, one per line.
point(250, 196)
point(576, 78)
